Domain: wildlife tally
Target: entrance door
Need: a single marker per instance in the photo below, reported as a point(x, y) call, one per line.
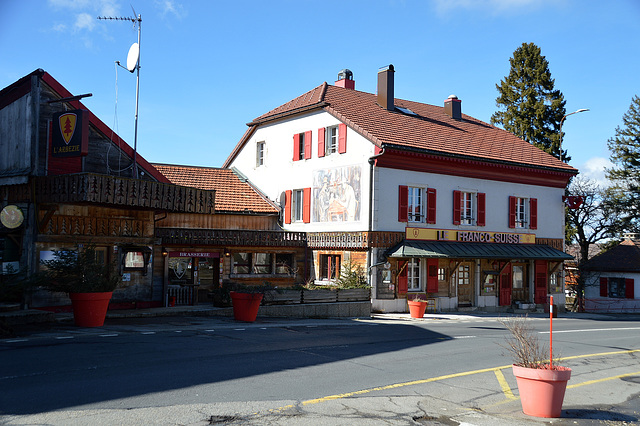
point(520, 282)
point(464, 281)
point(207, 276)
point(540, 295)
point(505, 286)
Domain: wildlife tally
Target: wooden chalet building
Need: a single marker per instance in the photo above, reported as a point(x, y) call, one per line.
point(426, 199)
point(242, 242)
point(66, 179)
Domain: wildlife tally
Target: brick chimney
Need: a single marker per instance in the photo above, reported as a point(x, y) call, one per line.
point(453, 107)
point(345, 79)
point(385, 87)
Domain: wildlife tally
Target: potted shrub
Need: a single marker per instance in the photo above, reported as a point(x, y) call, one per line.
point(417, 305)
point(88, 282)
point(541, 382)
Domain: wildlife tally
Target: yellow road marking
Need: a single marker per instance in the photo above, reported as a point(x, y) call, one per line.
point(591, 382)
point(496, 370)
point(506, 389)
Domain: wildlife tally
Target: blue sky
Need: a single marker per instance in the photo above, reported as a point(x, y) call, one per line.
point(210, 67)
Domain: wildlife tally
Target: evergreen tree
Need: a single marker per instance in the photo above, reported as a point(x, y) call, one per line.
point(532, 108)
point(625, 175)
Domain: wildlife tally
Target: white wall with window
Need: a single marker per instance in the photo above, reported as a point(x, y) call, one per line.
point(279, 172)
point(612, 292)
point(495, 195)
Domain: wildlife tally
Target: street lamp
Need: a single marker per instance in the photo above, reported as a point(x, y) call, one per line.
point(562, 121)
point(571, 113)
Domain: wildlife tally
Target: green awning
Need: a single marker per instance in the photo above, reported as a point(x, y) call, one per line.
point(459, 250)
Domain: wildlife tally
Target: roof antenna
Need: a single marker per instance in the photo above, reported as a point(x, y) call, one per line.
point(133, 64)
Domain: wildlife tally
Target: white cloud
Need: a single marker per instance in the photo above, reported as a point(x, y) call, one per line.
point(171, 7)
point(84, 21)
point(490, 6)
point(593, 169)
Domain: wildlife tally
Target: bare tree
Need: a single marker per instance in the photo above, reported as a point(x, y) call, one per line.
point(592, 217)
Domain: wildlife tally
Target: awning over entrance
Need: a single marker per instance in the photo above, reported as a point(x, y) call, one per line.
point(458, 250)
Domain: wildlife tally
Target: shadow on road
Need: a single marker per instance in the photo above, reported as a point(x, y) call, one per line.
point(54, 374)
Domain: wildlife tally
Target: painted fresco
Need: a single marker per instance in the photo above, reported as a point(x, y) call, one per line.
point(336, 193)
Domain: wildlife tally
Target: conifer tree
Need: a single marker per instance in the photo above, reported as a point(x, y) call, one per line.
point(625, 175)
point(530, 106)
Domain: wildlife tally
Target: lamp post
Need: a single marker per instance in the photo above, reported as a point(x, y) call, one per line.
point(562, 122)
point(563, 118)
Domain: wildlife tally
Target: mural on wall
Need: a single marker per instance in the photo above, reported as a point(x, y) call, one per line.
point(337, 194)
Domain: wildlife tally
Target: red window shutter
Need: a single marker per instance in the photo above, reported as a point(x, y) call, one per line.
point(457, 204)
point(287, 206)
point(307, 145)
point(431, 205)
point(342, 138)
point(432, 275)
point(403, 282)
point(512, 212)
point(321, 142)
point(604, 288)
point(403, 203)
point(481, 209)
point(296, 147)
point(306, 205)
point(628, 288)
point(533, 213)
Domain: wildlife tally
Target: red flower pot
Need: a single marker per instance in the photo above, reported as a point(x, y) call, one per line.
point(90, 309)
point(542, 390)
point(417, 308)
point(245, 305)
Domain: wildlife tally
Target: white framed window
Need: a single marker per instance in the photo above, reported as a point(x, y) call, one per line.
point(521, 212)
point(467, 208)
point(331, 140)
point(415, 206)
point(259, 154)
point(297, 206)
point(413, 275)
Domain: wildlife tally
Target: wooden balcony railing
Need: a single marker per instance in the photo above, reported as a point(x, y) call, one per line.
point(230, 237)
point(363, 240)
point(118, 191)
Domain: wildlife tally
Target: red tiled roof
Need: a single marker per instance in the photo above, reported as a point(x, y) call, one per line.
point(431, 130)
point(233, 193)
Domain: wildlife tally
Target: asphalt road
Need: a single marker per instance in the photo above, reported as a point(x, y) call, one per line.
point(387, 370)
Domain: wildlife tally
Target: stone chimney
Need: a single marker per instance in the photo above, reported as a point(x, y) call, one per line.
point(453, 107)
point(345, 79)
point(385, 87)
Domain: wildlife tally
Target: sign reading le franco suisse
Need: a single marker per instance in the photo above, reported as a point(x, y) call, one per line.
point(469, 236)
point(70, 134)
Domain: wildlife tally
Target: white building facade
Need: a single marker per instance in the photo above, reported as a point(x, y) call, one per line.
point(428, 201)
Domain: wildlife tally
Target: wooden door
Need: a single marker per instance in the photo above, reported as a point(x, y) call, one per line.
point(540, 295)
point(505, 286)
point(464, 279)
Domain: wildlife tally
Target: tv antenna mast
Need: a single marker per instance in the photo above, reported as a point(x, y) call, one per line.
point(133, 64)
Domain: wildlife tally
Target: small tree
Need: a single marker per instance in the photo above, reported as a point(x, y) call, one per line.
point(351, 276)
point(78, 271)
point(532, 107)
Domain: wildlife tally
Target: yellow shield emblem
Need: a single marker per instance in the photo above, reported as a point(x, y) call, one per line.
point(67, 126)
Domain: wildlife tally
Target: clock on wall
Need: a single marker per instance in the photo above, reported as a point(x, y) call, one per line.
point(11, 216)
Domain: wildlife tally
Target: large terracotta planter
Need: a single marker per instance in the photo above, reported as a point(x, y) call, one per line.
point(417, 308)
point(245, 305)
point(90, 309)
point(542, 390)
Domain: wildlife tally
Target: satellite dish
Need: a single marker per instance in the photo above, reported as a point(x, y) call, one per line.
point(133, 56)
